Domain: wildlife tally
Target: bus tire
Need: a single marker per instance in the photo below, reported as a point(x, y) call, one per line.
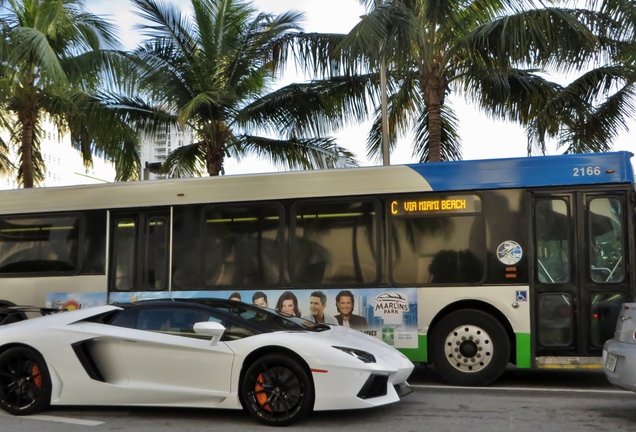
point(9, 316)
point(469, 348)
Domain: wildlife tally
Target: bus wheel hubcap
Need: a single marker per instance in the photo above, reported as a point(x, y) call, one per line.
point(468, 348)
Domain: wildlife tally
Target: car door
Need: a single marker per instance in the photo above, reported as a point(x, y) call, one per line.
point(161, 351)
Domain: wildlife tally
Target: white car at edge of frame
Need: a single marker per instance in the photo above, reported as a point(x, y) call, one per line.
point(206, 353)
point(619, 353)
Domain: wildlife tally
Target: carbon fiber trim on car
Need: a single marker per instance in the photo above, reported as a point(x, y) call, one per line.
point(83, 354)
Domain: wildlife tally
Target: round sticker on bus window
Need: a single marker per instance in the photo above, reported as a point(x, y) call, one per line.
point(509, 252)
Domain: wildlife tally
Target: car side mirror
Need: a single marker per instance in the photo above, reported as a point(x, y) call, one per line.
point(210, 328)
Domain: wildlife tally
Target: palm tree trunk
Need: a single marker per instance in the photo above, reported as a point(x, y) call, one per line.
point(433, 87)
point(434, 133)
point(218, 134)
point(27, 151)
point(214, 160)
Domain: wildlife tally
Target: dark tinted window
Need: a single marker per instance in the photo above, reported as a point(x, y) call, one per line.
point(605, 221)
point(186, 248)
point(552, 227)
point(39, 244)
point(124, 256)
point(555, 320)
point(437, 240)
point(242, 245)
point(157, 253)
point(180, 322)
point(604, 312)
point(94, 243)
point(335, 243)
point(170, 319)
point(126, 318)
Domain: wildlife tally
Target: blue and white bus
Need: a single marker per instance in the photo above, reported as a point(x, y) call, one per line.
point(467, 265)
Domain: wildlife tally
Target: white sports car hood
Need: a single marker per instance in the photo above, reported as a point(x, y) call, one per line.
point(342, 336)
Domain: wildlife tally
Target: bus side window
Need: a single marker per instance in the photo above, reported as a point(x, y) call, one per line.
point(605, 221)
point(552, 226)
point(335, 242)
point(124, 257)
point(156, 253)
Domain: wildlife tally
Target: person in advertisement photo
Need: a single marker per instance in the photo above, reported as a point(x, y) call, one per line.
point(346, 317)
point(288, 304)
point(259, 298)
point(317, 305)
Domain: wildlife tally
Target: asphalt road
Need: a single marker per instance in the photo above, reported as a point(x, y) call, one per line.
point(513, 377)
point(522, 401)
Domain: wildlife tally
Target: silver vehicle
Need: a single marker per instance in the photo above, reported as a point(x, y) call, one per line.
point(619, 354)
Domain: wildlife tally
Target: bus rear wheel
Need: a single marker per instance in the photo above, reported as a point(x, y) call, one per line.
point(470, 348)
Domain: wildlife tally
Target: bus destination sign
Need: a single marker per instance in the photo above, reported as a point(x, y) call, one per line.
point(435, 205)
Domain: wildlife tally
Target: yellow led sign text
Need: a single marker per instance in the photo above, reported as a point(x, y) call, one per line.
point(422, 206)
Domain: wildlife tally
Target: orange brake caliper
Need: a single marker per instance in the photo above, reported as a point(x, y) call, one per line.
point(261, 396)
point(37, 377)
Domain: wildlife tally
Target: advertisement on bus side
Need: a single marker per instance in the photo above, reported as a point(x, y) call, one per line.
point(387, 314)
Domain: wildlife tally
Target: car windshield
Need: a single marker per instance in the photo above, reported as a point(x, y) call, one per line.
point(263, 317)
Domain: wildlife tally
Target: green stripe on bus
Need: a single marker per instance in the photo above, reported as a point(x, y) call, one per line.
point(524, 359)
point(417, 355)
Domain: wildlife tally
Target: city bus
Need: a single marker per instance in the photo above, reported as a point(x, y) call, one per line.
point(469, 265)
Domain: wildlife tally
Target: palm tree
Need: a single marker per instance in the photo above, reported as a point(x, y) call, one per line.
point(52, 53)
point(587, 114)
point(213, 72)
point(491, 52)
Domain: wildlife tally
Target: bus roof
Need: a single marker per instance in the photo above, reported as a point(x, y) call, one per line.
point(536, 171)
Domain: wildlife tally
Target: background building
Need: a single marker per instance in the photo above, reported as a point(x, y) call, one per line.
point(155, 149)
point(64, 164)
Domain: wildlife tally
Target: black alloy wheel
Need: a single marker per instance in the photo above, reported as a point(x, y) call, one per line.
point(25, 383)
point(277, 390)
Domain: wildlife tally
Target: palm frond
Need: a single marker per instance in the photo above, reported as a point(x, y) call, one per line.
point(314, 108)
point(403, 108)
point(185, 161)
point(451, 142)
point(294, 153)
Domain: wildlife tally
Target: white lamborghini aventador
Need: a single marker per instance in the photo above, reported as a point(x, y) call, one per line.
point(195, 353)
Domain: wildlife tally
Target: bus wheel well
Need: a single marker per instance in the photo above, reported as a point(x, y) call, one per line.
point(254, 355)
point(480, 306)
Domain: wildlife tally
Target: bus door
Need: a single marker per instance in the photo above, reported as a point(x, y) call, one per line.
point(580, 271)
point(139, 245)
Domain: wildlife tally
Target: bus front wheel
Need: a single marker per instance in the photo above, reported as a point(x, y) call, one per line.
point(469, 348)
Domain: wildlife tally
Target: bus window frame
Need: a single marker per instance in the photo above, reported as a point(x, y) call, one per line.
point(280, 234)
point(433, 195)
point(80, 242)
point(377, 205)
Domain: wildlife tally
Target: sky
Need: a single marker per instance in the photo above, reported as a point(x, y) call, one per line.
point(482, 137)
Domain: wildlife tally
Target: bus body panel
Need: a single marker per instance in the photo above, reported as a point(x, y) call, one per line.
point(537, 248)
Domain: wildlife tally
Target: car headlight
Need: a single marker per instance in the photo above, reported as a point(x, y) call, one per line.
point(363, 356)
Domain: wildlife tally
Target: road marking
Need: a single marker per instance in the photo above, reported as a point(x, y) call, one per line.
point(524, 389)
point(68, 420)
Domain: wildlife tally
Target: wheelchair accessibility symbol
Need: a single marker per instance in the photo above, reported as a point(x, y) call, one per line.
point(521, 296)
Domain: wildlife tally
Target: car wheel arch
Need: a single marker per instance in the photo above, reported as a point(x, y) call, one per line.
point(273, 349)
point(8, 346)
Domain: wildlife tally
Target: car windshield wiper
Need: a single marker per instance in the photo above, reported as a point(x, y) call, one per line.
point(320, 327)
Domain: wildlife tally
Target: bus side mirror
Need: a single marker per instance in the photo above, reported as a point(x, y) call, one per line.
point(210, 328)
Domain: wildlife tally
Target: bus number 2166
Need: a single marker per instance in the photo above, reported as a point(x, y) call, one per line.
point(586, 171)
